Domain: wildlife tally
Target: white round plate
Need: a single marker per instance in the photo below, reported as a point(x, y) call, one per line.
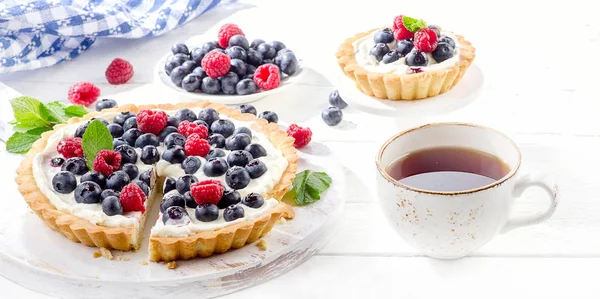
point(164, 80)
point(465, 92)
point(34, 256)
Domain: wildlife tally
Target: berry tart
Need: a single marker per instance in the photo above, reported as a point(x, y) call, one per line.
point(219, 175)
point(406, 62)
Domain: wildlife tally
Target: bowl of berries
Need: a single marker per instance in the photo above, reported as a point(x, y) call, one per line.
point(229, 70)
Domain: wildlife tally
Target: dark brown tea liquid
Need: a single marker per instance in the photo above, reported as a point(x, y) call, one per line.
point(447, 169)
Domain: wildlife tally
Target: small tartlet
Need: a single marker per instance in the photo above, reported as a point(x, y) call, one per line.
point(393, 86)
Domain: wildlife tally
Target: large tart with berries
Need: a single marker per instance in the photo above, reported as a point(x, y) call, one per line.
point(219, 175)
point(406, 62)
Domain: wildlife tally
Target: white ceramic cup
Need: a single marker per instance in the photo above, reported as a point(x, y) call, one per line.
point(449, 225)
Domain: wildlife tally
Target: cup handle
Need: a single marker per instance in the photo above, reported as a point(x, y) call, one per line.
point(523, 183)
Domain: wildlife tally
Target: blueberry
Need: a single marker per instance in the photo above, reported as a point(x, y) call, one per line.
point(191, 164)
point(197, 54)
point(404, 47)
point(216, 140)
point(215, 153)
point(390, 57)
point(256, 168)
point(183, 183)
point(219, 50)
point(64, 182)
point(109, 192)
point(174, 155)
point(180, 58)
point(239, 40)
point(255, 43)
point(268, 61)
point(130, 123)
point(448, 40)
point(170, 65)
point(88, 192)
point(224, 127)
point(209, 46)
point(244, 130)
point(270, 116)
point(228, 83)
point(254, 57)
point(131, 135)
point(215, 167)
point(169, 185)
point(208, 115)
point(239, 158)
point(76, 166)
point(443, 52)
point(149, 154)
point(189, 66)
point(117, 180)
point(147, 139)
point(166, 132)
point(128, 154)
point(58, 161)
point(118, 142)
point(115, 130)
point(377, 51)
point(253, 200)
point(210, 85)
point(112, 206)
point(230, 197)
point(147, 177)
point(105, 104)
point(175, 215)
point(384, 36)
point(287, 63)
point(177, 75)
point(247, 108)
point(122, 117)
point(416, 58)
point(173, 121)
point(191, 83)
point(277, 45)
point(174, 139)
point(201, 123)
point(186, 114)
point(436, 29)
point(180, 48)
point(267, 51)
point(250, 70)
point(282, 51)
point(131, 170)
point(172, 200)
point(95, 177)
point(236, 52)
point(142, 186)
point(336, 100)
point(256, 150)
point(238, 142)
point(238, 67)
point(102, 120)
point(190, 202)
point(207, 212)
point(332, 116)
point(80, 130)
point(233, 212)
point(246, 86)
point(199, 71)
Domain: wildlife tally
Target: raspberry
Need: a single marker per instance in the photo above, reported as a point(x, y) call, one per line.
point(266, 76)
point(119, 71)
point(226, 32)
point(216, 64)
point(208, 191)
point(152, 121)
point(301, 135)
point(186, 128)
point(426, 40)
point(132, 198)
point(196, 146)
point(400, 32)
point(107, 162)
point(70, 147)
point(83, 93)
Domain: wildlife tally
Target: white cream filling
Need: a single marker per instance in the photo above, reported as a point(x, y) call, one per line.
point(364, 45)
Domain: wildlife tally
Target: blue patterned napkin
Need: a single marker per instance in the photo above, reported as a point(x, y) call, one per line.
point(42, 33)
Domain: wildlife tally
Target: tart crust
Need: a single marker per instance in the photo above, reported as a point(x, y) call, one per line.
point(403, 87)
point(164, 248)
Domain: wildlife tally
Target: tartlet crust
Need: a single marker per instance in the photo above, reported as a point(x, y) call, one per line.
point(403, 87)
point(163, 248)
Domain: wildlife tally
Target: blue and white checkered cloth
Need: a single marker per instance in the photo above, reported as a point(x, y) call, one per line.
point(41, 33)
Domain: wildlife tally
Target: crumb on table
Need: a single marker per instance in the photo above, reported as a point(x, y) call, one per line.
point(282, 220)
point(144, 263)
point(104, 253)
point(262, 244)
point(172, 265)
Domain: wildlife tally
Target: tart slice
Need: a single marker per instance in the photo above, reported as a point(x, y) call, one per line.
point(222, 173)
point(406, 62)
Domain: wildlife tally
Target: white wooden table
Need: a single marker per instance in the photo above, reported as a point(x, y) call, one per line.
point(539, 60)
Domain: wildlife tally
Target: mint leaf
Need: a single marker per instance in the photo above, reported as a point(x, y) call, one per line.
point(20, 143)
point(308, 186)
point(96, 138)
point(413, 25)
point(56, 112)
point(39, 131)
point(19, 127)
point(30, 111)
point(76, 111)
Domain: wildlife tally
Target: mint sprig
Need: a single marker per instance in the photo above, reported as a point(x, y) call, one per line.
point(413, 25)
point(32, 118)
point(96, 138)
point(308, 186)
